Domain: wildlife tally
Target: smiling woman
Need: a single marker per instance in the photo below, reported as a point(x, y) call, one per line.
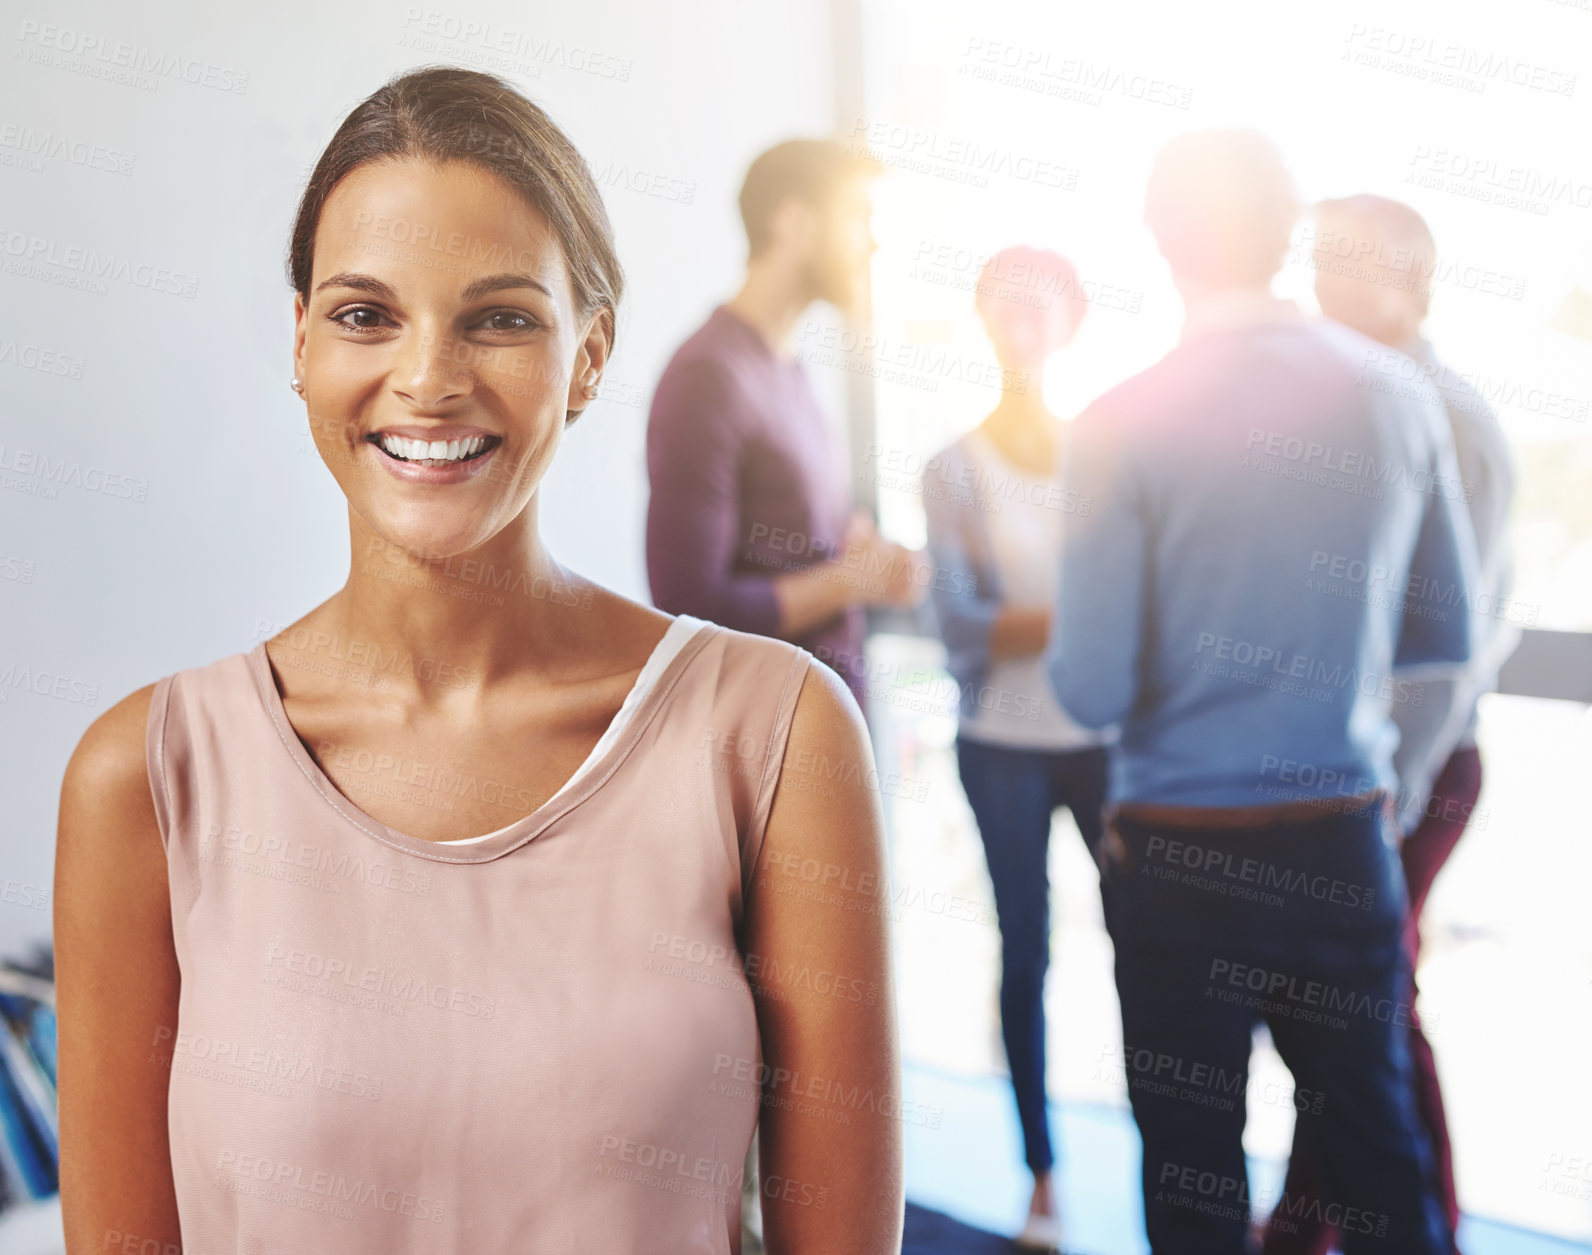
point(464, 914)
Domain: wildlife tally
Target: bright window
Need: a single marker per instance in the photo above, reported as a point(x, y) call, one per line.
point(1036, 123)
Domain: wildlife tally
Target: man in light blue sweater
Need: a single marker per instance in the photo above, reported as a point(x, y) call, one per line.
point(1215, 604)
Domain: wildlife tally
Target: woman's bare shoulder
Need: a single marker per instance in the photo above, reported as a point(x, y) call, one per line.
point(608, 603)
point(107, 774)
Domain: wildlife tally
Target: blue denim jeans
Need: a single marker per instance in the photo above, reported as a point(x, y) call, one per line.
point(1299, 924)
point(1013, 794)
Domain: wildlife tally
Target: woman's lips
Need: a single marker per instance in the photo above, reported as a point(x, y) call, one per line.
point(442, 470)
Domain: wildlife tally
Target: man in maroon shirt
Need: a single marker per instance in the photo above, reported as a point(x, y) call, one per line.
point(751, 521)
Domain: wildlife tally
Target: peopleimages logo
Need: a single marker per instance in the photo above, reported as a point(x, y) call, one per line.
point(990, 487)
point(1069, 78)
point(1283, 992)
point(1440, 59)
point(1471, 392)
point(1335, 789)
point(1353, 464)
point(1218, 863)
point(764, 973)
point(52, 474)
point(23, 678)
point(1216, 1194)
point(787, 1089)
point(119, 60)
point(1015, 282)
point(1491, 179)
point(282, 1175)
point(1157, 1073)
point(923, 366)
point(1290, 666)
point(670, 1159)
point(1418, 595)
point(45, 361)
point(405, 987)
point(925, 151)
point(35, 257)
point(260, 1062)
point(428, 30)
point(342, 865)
point(33, 148)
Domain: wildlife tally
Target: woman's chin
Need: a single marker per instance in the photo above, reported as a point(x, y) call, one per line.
point(423, 546)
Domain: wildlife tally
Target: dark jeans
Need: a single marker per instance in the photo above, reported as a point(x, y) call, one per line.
point(1013, 793)
point(1423, 854)
point(1299, 924)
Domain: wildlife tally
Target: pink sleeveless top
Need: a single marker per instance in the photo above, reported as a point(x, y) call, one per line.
point(535, 1041)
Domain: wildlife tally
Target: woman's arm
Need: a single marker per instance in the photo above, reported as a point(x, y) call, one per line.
point(831, 1143)
point(116, 984)
point(973, 618)
point(965, 602)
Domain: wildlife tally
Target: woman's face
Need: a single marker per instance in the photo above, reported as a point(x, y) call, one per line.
point(440, 321)
point(1026, 330)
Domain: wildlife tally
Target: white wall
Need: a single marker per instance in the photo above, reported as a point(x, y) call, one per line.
point(210, 512)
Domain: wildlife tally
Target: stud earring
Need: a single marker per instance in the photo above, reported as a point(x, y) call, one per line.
point(589, 391)
point(297, 385)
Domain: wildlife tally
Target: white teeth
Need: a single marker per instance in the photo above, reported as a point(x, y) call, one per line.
point(432, 450)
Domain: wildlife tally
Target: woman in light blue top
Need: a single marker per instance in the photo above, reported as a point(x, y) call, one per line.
point(996, 507)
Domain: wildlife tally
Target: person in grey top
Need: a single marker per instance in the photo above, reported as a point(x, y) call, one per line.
point(1374, 261)
point(995, 507)
point(1391, 308)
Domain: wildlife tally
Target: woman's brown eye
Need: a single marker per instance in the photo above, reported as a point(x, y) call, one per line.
point(359, 318)
point(506, 320)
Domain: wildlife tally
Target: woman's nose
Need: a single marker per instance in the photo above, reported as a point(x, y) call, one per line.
point(434, 370)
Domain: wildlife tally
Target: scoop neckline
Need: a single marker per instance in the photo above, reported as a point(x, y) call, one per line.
point(587, 778)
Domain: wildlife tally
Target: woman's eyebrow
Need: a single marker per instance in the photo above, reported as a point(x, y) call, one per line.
point(361, 283)
point(481, 287)
point(497, 283)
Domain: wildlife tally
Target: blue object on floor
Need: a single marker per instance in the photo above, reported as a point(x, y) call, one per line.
point(935, 1233)
point(968, 1188)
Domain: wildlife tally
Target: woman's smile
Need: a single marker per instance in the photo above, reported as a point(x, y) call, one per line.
point(448, 454)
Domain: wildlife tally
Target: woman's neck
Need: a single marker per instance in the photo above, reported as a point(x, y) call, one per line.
point(478, 613)
point(1023, 429)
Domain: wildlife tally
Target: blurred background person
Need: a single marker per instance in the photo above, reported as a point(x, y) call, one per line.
point(1374, 261)
point(995, 506)
point(1214, 478)
point(750, 518)
point(750, 522)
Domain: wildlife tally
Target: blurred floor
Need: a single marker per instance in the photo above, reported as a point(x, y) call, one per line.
point(962, 1197)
